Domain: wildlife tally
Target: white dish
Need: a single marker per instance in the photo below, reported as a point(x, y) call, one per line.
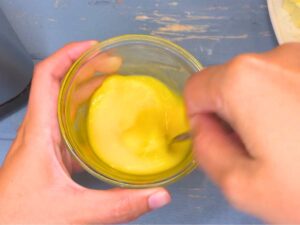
point(283, 26)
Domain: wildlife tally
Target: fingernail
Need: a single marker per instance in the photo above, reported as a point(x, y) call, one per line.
point(158, 200)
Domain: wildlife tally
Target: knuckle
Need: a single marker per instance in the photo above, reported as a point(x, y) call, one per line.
point(238, 67)
point(244, 60)
point(241, 72)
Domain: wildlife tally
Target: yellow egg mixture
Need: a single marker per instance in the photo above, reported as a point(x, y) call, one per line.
point(293, 8)
point(131, 121)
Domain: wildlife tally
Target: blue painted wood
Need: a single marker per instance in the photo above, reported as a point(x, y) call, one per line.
point(213, 30)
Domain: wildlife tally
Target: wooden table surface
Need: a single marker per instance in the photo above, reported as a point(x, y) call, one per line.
point(213, 30)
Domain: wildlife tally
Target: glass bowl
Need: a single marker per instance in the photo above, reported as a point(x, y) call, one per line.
point(126, 55)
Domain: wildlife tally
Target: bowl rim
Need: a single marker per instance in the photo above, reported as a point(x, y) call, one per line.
point(65, 84)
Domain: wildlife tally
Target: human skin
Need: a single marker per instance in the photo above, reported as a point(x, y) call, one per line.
point(256, 163)
point(35, 178)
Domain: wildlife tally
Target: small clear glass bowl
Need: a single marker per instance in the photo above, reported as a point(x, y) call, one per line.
point(126, 55)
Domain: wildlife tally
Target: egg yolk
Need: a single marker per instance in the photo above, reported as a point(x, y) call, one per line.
point(131, 121)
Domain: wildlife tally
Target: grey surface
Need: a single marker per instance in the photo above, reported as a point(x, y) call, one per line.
point(15, 63)
point(213, 30)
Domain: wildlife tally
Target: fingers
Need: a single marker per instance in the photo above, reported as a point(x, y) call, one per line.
point(203, 91)
point(45, 86)
point(58, 63)
point(50, 71)
point(87, 82)
point(104, 63)
point(218, 151)
point(220, 88)
point(83, 92)
point(119, 206)
point(222, 156)
point(227, 91)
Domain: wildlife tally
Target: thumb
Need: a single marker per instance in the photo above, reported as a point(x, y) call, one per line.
point(119, 205)
point(219, 152)
point(222, 155)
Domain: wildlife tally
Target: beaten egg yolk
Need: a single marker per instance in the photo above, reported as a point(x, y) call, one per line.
point(131, 121)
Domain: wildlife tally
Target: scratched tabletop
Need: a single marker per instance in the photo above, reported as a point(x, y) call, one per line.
point(212, 30)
